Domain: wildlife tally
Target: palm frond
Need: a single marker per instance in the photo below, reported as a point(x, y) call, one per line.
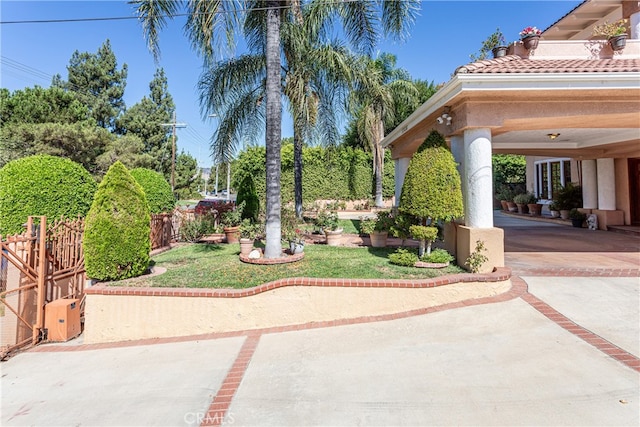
point(153, 16)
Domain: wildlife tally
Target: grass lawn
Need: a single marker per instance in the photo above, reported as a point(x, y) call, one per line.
point(218, 266)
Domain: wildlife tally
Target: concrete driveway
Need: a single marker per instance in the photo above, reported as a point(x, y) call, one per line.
point(561, 348)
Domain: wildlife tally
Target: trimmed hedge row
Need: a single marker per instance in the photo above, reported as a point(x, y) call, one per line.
point(43, 185)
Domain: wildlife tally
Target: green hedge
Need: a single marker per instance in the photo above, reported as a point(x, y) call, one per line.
point(116, 239)
point(328, 173)
point(156, 189)
point(43, 185)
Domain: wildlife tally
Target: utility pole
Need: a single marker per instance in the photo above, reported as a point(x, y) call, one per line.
point(174, 125)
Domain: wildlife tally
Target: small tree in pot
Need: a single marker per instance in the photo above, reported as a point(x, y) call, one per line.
point(231, 221)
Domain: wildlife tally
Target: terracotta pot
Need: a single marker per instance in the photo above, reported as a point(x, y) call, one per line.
point(246, 246)
point(232, 234)
point(530, 42)
point(564, 213)
point(505, 205)
point(522, 208)
point(535, 209)
point(333, 237)
point(378, 239)
point(512, 207)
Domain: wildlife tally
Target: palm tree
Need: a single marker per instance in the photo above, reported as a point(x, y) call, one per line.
point(380, 90)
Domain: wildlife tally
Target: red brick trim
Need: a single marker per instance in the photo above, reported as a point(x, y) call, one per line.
point(598, 342)
point(498, 275)
point(577, 272)
point(221, 402)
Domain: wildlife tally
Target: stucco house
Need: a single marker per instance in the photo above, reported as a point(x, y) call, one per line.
point(571, 105)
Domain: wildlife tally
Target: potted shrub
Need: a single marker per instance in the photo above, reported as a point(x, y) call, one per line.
point(327, 221)
point(367, 225)
point(567, 198)
point(494, 44)
point(231, 221)
point(383, 223)
point(249, 233)
point(577, 217)
point(554, 210)
point(615, 32)
point(535, 208)
point(522, 200)
point(505, 195)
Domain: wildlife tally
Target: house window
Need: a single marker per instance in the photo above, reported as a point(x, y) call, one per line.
point(550, 176)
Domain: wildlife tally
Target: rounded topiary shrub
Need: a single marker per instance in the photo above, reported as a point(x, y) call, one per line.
point(43, 185)
point(156, 189)
point(432, 186)
point(116, 237)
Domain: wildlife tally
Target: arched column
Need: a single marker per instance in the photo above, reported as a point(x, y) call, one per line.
point(589, 184)
point(401, 166)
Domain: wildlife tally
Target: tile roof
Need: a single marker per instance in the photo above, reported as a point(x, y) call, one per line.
point(513, 64)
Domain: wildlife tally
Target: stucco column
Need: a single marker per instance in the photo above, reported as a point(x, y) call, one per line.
point(589, 184)
point(457, 149)
point(606, 184)
point(634, 22)
point(478, 197)
point(401, 166)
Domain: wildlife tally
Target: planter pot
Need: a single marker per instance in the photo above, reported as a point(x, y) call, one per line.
point(232, 234)
point(618, 42)
point(499, 52)
point(246, 246)
point(535, 209)
point(296, 247)
point(522, 208)
point(378, 239)
point(530, 42)
point(555, 214)
point(564, 214)
point(505, 205)
point(577, 222)
point(512, 207)
point(333, 237)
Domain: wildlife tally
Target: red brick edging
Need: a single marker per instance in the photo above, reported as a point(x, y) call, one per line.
point(498, 275)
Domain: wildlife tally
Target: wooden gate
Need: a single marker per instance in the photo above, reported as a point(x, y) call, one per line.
point(41, 265)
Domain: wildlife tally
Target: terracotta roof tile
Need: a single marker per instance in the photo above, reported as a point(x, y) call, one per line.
point(513, 64)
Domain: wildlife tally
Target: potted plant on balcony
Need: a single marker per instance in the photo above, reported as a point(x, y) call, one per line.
point(494, 44)
point(530, 37)
point(231, 221)
point(615, 32)
point(577, 217)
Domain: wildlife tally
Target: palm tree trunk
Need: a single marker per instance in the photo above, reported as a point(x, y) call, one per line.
point(297, 171)
point(378, 158)
point(273, 246)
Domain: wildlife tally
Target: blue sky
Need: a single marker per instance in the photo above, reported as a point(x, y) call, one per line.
point(441, 39)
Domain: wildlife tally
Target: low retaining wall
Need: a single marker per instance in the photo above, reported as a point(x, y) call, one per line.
point(119, 313)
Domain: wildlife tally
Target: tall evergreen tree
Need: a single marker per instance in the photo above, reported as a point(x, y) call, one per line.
point(98, 83)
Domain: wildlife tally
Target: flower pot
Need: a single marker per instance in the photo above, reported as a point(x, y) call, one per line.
point(564, 213)
point(530, 42)
point(577, 222)
point(378, 239)
point(333, 237)
point(512, 207)
point(246, 246)
point(535, 209)
point(618, 42)
point(232, 234)
point(555, 214)
point(296, 247)
point(522, 208)
point(499, 51)
point(505, 205)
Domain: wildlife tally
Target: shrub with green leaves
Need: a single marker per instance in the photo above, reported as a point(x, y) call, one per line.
point(247, 194)
point(43, 185)
point(156, 189)
point(116, 239)
point(404, 257)
point(432, 186)
point(439, 256)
